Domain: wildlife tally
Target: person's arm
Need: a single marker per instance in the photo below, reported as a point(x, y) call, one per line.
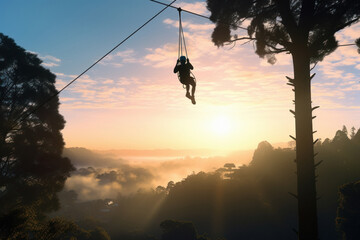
point(190, 65)
point(176, 69)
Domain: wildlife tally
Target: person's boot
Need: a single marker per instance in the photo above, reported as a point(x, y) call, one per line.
point(193, 100)
point(188, 95)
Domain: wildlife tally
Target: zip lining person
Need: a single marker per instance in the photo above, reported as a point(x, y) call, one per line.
point(183, 66)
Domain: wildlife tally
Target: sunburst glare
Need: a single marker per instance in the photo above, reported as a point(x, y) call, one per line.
point(221, 125)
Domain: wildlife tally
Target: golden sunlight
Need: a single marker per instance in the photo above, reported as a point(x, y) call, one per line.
point(221, 125)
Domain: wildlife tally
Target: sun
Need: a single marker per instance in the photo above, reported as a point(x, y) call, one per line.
point(221, 125)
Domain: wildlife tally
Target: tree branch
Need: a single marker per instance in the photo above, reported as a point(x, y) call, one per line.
point(313, 66)
point(287, 18)
point(242, 38)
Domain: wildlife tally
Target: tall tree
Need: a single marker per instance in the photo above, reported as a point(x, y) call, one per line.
point(32, 169)
point(348, 212)
point(352, 133)
point(305, 29)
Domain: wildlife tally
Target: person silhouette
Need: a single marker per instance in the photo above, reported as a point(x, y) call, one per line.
point(183, 66)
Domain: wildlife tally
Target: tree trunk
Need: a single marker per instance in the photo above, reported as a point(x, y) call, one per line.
point(307, 211)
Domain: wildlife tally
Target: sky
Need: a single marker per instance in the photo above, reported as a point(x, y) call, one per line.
point(133, 100)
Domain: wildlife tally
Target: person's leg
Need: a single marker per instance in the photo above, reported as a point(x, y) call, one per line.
point(193, 87)
point(187, 91)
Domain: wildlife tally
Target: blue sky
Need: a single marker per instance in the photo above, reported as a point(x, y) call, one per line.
point(79, 32)
point(133, 100)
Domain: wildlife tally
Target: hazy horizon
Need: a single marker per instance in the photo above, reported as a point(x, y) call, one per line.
point(156, 167)
point(175, 152)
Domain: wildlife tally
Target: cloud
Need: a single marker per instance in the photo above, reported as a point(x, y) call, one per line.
point(197, 7)
point(105, 175)
point(88, 92)
point(51, 64)
point(190, 26)
point(344, 55)
point(235, 74)
point(48, 60)
point(349, 34)
point(118, 59)
point(90, 188)
point(159, 57)
point(225, 76)
point(337, 84)
point(99, 176)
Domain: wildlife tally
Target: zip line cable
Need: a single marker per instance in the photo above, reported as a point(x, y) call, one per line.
point(196, 14)
point(345, 45)
point(199, 15)
point(26, 115)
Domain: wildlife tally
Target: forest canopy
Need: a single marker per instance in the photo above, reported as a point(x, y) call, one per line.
point(231, 202)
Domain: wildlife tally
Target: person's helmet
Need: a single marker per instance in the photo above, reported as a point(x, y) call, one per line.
point(182, 59)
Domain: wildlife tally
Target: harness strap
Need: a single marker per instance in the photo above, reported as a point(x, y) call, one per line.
point(180, 27)
point(182, 43)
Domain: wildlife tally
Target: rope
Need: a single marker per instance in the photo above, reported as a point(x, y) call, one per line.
point(182, 44)
point(183, 36)
point(26, 115)
point(180, 28)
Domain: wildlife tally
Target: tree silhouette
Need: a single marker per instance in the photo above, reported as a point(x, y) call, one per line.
point(173, 230)
point(176, 230)
point(250, 198)
point(32, 169)
point(352, 133)
point(229, 166)
point(348, 213)
point(305, 29)
point(22, 223)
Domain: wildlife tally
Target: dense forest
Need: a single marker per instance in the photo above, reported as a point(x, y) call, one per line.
point(254, 201)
